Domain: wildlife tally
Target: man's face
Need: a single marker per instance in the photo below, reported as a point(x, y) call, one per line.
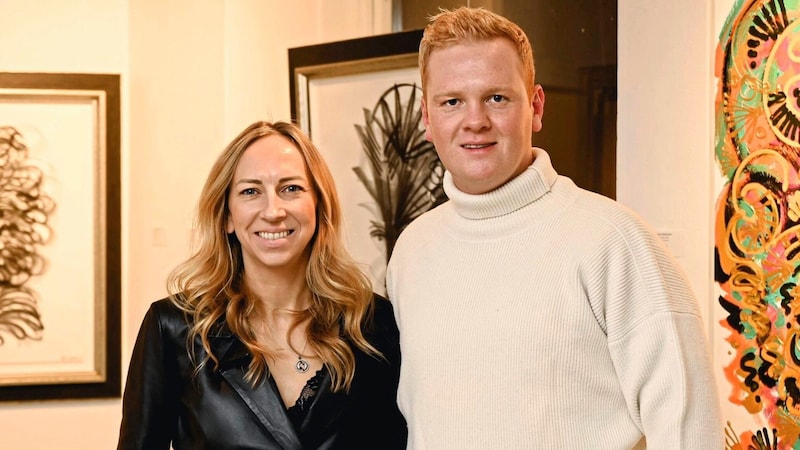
point(478, 115)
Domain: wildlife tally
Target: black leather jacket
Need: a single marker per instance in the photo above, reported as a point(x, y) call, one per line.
point(166, 403)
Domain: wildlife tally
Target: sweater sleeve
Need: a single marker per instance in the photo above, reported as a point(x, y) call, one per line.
point(149, 403)
point(666, 377)
point(656, 340)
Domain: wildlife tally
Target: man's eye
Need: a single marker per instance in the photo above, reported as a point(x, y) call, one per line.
point(497, 98)
point(451, 102)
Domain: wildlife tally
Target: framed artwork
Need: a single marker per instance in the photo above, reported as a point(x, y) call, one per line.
point(359, 100)
point(757, 224)
point(59, 236)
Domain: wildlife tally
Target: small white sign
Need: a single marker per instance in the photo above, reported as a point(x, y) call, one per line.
point(675, 240)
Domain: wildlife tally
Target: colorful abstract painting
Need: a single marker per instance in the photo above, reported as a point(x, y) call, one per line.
point(757, 223)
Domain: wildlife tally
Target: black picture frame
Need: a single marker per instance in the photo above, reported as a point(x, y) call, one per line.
point(99, 94)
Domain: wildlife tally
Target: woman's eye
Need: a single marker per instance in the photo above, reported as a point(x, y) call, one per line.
point(293, 188)
point(249, 191)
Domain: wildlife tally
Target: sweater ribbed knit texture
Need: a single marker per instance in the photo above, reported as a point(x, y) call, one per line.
point(543, 316)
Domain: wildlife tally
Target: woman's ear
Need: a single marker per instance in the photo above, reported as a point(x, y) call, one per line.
point(228, 224)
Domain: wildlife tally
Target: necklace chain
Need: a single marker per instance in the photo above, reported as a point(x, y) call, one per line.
point(301, 365)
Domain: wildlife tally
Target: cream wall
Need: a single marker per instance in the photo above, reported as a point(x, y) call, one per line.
point(195, 72)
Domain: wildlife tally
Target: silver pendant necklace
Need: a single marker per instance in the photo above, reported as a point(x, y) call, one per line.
point(301, 366)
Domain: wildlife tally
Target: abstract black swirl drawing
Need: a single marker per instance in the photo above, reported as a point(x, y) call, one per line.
point(24, 211)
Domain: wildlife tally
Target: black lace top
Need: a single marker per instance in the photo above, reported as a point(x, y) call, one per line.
point(298, 411)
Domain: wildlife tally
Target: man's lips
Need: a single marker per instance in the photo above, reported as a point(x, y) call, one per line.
point(477, 146)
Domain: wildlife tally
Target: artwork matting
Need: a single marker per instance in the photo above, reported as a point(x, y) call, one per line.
point(63, 131)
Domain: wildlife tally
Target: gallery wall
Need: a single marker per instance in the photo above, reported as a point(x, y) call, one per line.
point(195, 73)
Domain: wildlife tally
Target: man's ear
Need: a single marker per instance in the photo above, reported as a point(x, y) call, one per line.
point(423, 106)
point(537, 103)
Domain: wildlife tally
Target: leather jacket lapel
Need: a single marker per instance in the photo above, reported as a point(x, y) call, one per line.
point(264, 401)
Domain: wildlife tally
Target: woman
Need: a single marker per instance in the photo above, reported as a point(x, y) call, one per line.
point(272, 337)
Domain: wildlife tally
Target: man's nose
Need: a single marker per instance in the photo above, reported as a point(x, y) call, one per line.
point(476, 117)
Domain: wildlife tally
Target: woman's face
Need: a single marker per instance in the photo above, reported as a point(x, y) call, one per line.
point(272, 207)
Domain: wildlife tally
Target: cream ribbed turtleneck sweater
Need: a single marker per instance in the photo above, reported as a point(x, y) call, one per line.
point(543, 316)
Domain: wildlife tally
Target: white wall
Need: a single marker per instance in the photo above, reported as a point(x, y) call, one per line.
point(195, 73)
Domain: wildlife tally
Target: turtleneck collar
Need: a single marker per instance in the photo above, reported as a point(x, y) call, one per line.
point(518, 192)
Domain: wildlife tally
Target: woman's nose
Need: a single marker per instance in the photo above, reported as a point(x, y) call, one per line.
point(274, 209)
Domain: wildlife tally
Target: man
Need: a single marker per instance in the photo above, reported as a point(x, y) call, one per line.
point(532, 313)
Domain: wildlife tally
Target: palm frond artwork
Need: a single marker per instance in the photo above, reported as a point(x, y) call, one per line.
point(402, 172)
point(24, 212)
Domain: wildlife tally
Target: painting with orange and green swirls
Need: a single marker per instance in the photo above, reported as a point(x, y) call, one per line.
point(757, 223)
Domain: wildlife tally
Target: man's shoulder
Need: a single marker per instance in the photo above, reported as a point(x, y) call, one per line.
point(426, 224)
point(605, 208)
point(432, 216)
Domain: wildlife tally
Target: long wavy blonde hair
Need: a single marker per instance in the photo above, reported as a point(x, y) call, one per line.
point(209, 285)
point(465, 24)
